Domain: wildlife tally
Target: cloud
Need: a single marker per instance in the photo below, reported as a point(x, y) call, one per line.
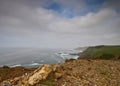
point(31, 24)
point(83, 23)
point(115, 4)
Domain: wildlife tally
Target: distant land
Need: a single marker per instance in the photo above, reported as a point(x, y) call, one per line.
point(101, 52)
point(81, 48)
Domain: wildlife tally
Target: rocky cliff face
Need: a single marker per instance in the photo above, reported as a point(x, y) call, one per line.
point(71, 73)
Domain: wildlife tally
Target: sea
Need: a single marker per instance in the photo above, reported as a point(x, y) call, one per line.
point(34, 57)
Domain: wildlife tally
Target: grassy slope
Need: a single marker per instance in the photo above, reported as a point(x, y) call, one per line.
point(104, 52)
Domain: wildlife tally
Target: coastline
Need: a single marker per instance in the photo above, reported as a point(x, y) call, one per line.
point(101, 69)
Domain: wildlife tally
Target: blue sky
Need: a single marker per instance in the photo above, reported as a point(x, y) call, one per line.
point(69, 12)
point(59, 23)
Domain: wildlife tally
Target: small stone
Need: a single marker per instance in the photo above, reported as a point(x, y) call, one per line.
point(58, 75)
point(6, 83)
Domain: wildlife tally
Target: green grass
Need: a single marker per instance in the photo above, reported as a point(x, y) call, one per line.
point(103, 52)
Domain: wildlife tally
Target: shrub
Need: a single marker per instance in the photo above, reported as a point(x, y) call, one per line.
point(107, 56)
point(69, 60)
point(6, 67)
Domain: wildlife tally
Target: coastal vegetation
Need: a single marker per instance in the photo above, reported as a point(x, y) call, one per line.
point(101, 52)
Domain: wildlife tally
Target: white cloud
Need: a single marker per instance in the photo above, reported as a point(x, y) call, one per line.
point(81, 24)
point(46, 28)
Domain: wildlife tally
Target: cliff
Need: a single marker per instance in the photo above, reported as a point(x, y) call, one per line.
point(101, 52)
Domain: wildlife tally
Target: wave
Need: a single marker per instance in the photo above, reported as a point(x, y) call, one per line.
point(17, 65)
point(62, 55)
point(34, 64)
point(27, 65)
point(67, 55)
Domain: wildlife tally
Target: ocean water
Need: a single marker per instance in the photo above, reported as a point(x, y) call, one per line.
point(32, 57)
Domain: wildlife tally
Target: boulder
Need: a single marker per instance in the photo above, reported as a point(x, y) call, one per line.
point(40, 74)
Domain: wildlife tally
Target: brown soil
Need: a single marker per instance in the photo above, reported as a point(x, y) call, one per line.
point(87, 73)
point(10, 73)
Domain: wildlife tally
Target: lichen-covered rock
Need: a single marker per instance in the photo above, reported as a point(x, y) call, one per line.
point(40, 74)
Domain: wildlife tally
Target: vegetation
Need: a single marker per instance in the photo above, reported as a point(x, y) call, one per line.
point(101, 52)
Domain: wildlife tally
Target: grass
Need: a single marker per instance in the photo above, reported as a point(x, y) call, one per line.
point(102, 52)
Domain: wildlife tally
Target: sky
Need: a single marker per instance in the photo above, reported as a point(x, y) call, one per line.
point(59, 23)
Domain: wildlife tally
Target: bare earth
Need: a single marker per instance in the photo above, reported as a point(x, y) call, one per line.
point(90, 73)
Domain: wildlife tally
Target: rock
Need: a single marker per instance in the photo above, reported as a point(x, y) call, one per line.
point(31, 79)
point(58, 75)
point(6, 83)
point(15, 80)
point(40, 74)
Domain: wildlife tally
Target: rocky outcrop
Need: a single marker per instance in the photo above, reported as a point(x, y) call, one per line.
point(40, 74)
point(32, 79)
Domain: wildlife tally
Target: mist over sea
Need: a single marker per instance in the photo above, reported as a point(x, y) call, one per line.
point(32, 57)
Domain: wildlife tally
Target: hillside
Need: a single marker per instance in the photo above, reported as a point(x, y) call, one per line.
point(71, 73)
point(81, 48)
point(101, 52)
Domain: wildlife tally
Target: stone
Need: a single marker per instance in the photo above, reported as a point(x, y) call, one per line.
point(58, 75)
point(40, 74)
point(6, 83)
